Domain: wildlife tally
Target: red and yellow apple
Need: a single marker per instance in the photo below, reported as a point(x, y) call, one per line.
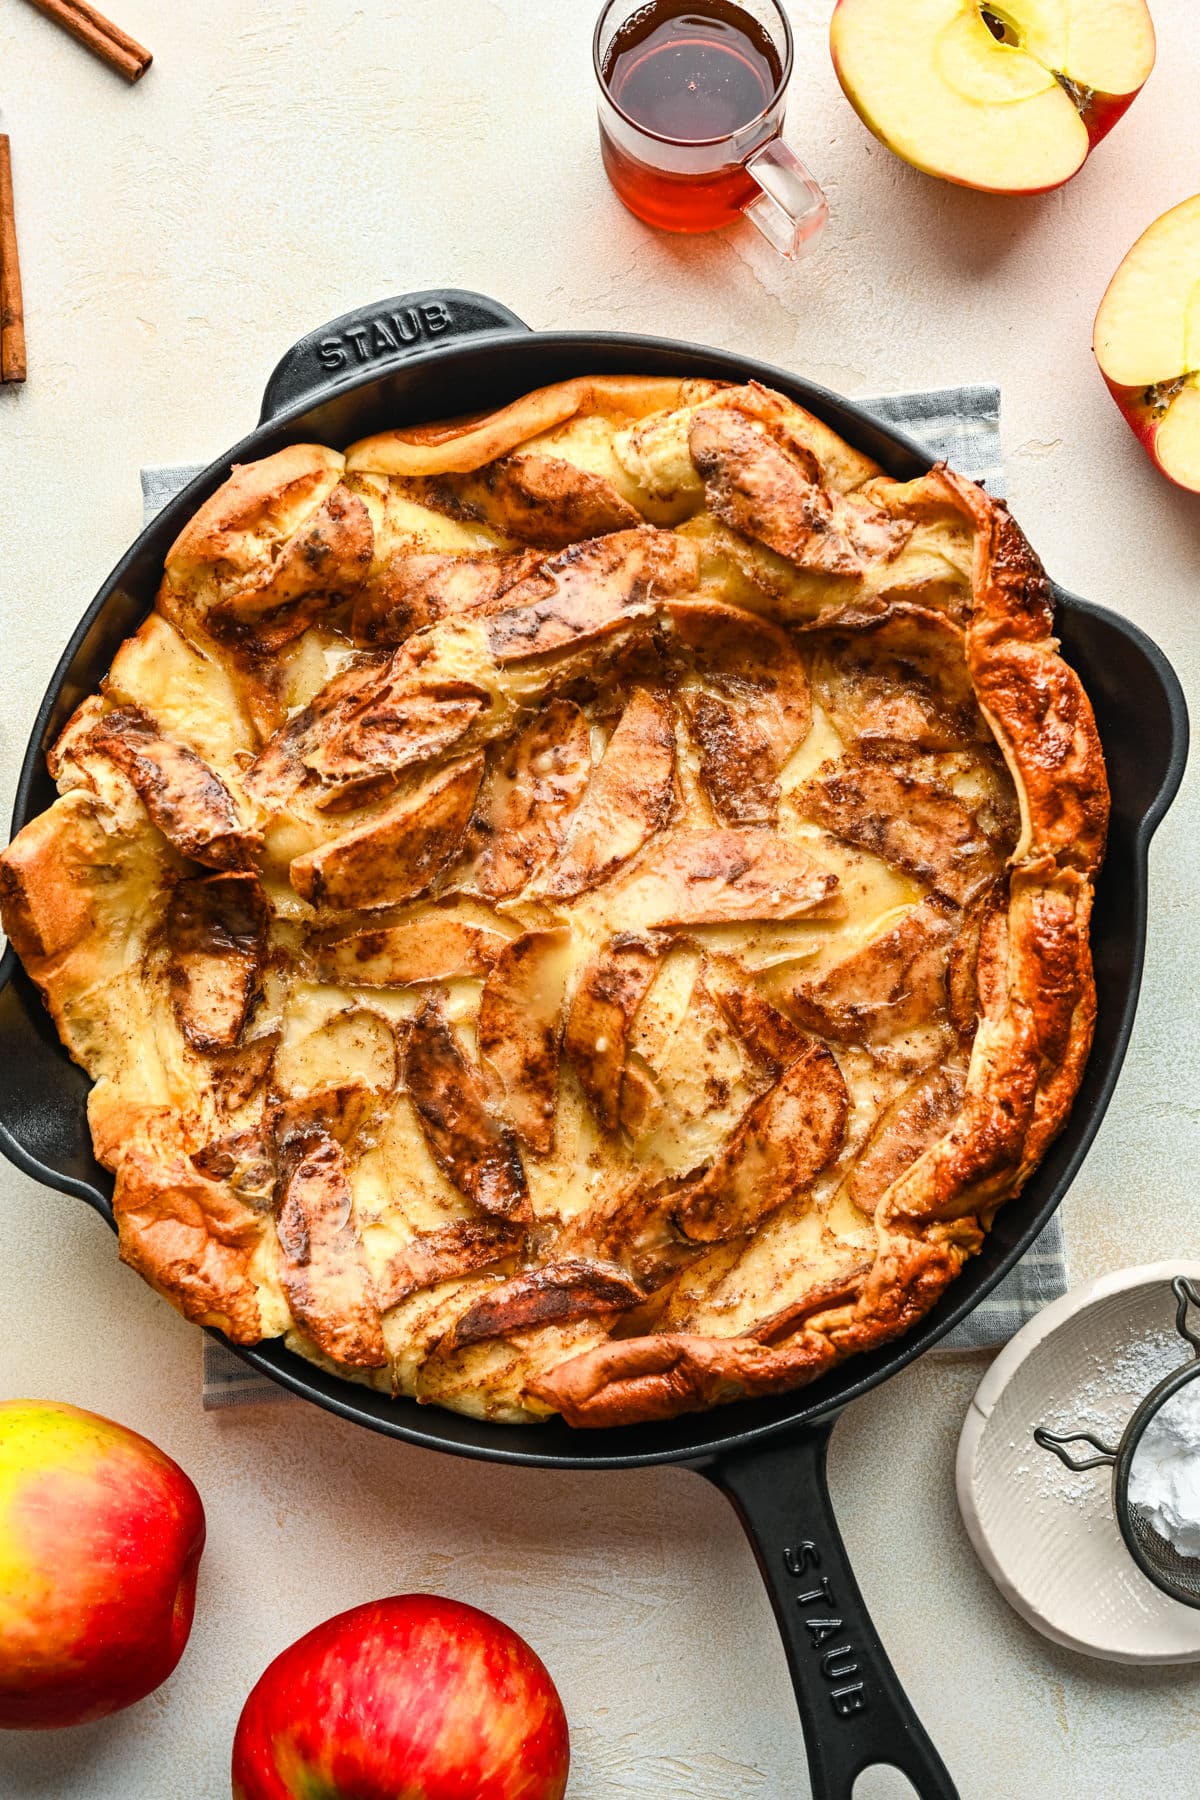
point(100, 1541)
point(1010, 98)
point(412, 1696)
point(1147, 342)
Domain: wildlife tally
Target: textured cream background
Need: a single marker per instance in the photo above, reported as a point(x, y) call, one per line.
point(283, 161)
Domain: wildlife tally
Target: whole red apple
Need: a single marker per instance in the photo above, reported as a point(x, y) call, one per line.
point(413, 1696)
point(100, 1541)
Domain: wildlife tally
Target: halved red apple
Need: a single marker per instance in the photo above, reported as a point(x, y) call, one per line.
point(1010, 98)
point(1147, 342)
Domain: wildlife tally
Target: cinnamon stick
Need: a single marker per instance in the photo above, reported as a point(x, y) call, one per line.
point(12, 309)
point(118, 49)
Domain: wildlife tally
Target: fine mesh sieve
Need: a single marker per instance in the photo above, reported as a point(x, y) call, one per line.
point(1175, 1575)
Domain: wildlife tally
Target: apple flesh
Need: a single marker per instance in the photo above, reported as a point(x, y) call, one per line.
point(100, 1541)
point(1009, 98)
point(1147, 342)
point(413, 1696)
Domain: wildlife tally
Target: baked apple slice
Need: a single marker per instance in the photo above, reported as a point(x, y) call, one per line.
point(281, 767)
point(460, 1248)
point(701, 877)
point(786, 1138)
point(770, 491)
point(519, 1034)
point(479, 1156)
point(188, 802)
point(609, 992)
point(914, 1120)
point(415, 589)
point(431, 943)
point(555, 1294)
point(915, 824)
point(216, 948)
point(1147, 342)
point(752, 711)
point(321, 1263)
point(398, 724)
point(397, 853)
point(534, 783)
point(597, 586)
point(628, 798)
point(901, 682)
point(534, 498)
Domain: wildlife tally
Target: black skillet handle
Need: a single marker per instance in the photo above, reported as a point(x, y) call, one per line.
point(854, 1712)
point(376, 337)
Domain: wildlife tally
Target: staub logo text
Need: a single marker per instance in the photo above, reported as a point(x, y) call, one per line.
point(838, 1657)
point(384, 334)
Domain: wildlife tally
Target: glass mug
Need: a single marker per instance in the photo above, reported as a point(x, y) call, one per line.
point(691, 106)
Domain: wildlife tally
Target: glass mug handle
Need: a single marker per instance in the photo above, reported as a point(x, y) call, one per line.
point(790, 210)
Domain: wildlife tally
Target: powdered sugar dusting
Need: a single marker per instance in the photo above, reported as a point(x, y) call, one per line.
point(1120, 1380)
point(1165, 1478)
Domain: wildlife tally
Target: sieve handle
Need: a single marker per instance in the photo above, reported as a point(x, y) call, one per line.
point(1185, 1292)
point(1050, 1440)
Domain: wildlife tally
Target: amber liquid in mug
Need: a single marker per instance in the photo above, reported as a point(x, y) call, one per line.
point(688, 72)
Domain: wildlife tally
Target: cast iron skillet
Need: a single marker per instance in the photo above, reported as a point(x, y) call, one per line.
point(442, 352)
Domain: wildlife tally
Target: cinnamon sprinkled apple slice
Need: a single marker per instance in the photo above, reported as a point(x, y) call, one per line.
point(608, 994)
point(786, 1137)
point(519, 1033)
point(628, 798)
point(430, 943)
point(533, 498)
point(321, 1263)
point(216, 947)
point(188, 802)
point(479, 1156)
point(552, 1295)
point(724, 877)
point(396, 854)
point(533, 783)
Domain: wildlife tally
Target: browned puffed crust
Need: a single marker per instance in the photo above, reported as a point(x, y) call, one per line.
point(1033, 700)
point(192, 1238)
point(584, 908)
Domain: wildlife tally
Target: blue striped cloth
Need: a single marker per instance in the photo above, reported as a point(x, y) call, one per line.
point(961, 425)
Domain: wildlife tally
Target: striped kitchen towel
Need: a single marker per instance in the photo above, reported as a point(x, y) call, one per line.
point(962, 425)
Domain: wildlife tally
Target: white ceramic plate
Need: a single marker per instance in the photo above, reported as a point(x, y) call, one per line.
point(1049, 1538)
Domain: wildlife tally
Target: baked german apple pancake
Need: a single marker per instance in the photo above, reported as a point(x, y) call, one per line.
point(578, 910)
